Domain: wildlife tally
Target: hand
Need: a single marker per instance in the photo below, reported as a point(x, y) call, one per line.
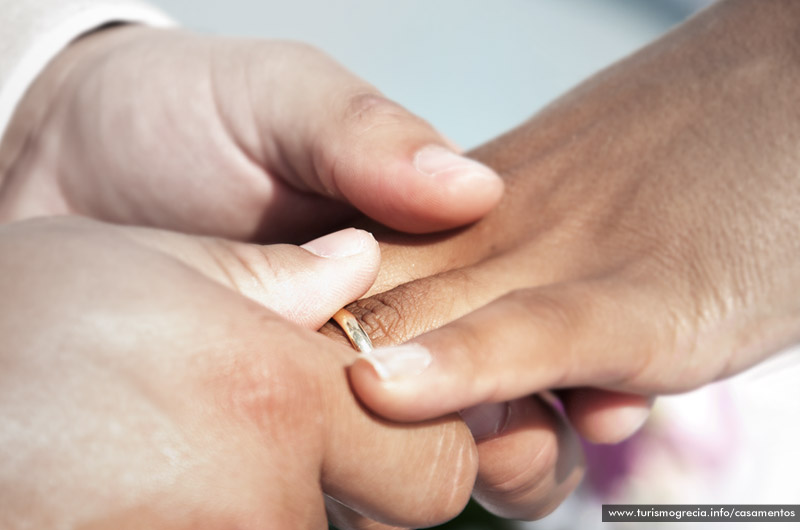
point(647, 244)
point(140, 389)
point(248, 139)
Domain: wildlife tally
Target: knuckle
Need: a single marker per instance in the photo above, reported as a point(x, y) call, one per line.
point(299, 52)
point(411, 309)
point(387, 317)
point(476, 354)
point(548, 312)
point(643, 328)
point(559, 324)
point(279, 399)
point(260, 395)
point(366, 110)
point(341, 151)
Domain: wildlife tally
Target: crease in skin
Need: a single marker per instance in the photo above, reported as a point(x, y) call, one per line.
point(386, 446)
point(522, 493)
point(408, 258)
point(443, 452)
point(389, 324)
point(651, 174)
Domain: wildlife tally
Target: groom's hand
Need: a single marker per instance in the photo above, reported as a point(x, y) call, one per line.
point(248, 139)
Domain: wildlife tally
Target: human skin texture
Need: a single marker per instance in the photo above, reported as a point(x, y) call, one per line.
point(647, 243)
point(156, 380)
point(246, 139)
point(249, 140)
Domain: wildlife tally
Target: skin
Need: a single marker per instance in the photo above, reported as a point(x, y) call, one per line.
point(146, 384)
point(647, 244)
point(243, 139)
point(246, 139)
point(649, 239)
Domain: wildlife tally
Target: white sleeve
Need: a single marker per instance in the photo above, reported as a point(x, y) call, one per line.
point(32, 32)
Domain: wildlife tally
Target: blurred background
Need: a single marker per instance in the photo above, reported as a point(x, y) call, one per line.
point(473, 68)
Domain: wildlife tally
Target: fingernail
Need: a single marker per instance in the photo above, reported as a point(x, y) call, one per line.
point(406, 360)
point(341, 244)
point(487, 419)
point(439, 162)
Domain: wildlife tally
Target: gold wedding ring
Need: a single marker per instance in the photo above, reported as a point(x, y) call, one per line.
point(353, 329)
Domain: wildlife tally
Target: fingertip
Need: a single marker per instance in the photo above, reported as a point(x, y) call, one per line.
point(337, 269)
point(343, 244)
point(427, 190)
point(394, 400)
point(352, 258)
point(398, 363)
point(605, 417)
point(407, 383)
point(466, 188)
point(368, 384)
point(404, 174)
point(443, 190)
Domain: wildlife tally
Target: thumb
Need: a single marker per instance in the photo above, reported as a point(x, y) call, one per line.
point(340, 137)
point(304, 284)
point(559, 336)
point(403, 173)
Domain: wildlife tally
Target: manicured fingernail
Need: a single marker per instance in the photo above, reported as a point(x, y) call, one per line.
point(486, 420)
point(341, 244)
point(406, 360)
point(439, 162)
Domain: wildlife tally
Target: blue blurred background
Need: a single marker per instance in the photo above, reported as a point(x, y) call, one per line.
point(473, 68)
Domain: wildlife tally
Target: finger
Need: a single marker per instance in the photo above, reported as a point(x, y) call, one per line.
point(564, 335)
point(411, 476)
point(605, 417)
point(305, 284)
point(543, 451)
point(399, 476)
point(530, 459)
point(409, 310)
point(333, 134)
point(290, 384)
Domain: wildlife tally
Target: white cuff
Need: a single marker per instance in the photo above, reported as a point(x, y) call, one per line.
point(33, 32)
